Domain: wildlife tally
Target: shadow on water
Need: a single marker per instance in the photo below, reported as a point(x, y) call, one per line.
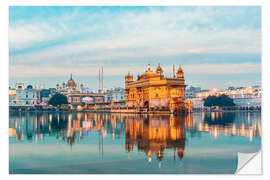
point(58, 123)
point(219, 118)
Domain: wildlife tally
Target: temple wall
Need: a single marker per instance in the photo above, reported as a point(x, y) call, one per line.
point(130, 104)
point(141, 104)
point(160, 102)
point(155, 91)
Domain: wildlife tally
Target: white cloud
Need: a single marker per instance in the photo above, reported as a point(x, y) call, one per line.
point(243, 68)
point(26, 35)
point(50, 71)
point(105, 36)
point(157, 43)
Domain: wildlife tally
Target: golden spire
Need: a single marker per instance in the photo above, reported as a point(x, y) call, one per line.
point(180, 73)
point(180, 69)
point(159, 70)
point(129, 77)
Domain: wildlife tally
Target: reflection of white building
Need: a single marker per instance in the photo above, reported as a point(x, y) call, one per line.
point(22, 96)
point(247, 125)
point(115, 95)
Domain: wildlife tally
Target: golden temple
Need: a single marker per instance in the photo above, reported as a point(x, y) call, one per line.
point(152, 90)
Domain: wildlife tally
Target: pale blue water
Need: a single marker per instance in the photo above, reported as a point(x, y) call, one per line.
point(42, 142)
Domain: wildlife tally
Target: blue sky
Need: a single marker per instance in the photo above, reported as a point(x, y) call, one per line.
point(216, 46)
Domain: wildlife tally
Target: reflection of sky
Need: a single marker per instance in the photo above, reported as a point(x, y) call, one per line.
point(203, 154)
point(47, 156)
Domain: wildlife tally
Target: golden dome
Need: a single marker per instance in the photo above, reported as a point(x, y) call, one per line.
point(71, 83)
point(149, 73)
point(159, 70)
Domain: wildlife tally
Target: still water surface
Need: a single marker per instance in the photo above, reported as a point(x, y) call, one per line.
point(63, 142)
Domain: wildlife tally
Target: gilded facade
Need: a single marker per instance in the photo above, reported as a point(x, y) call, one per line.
point(153, 90)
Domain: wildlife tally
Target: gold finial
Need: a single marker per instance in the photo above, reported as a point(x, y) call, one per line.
point(180, 70)
point(159, 70)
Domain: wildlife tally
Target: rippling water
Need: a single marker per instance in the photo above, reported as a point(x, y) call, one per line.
point(46, 142)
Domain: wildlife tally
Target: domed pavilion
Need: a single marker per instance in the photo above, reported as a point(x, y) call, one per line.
point(152, 90)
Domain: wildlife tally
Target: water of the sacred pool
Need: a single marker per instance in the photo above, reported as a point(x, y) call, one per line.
point(91, 143)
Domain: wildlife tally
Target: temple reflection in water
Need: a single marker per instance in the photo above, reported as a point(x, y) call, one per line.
point(151, 134)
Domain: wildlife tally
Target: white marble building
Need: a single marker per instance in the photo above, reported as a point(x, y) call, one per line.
point(115, 94)
point(242, 97)
point(21, 96)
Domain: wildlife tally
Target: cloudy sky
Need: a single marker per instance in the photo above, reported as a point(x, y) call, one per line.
point(215, 46)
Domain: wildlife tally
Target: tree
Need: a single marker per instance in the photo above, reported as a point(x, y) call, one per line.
point(226, 119)
point(58, 99)
point(225, 100)
point(210, 101)
point(222, 101)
